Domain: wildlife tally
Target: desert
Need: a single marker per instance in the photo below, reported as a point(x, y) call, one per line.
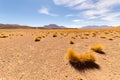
point(59, 39)
point(22, 57)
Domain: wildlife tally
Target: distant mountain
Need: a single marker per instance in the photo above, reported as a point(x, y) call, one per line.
point(16, 26)
point(95, 26)
point(53, 26)
point(50, 26)
point(13, 26)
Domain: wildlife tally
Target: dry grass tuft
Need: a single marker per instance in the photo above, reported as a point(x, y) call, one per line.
point(54, 35)
point(110, 39)
point(71, 42)
point(72, 56)
point(94, 34)
point(73, 37)
point(87, 57)
point(3, 36)
point(37, 39)
point(103, 37)
point(80, 58)
point(97, 48)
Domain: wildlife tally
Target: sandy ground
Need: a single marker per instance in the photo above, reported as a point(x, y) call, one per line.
point(21, 58)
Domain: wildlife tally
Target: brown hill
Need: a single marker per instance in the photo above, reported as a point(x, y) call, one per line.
point(16, 26)
point(53, 26)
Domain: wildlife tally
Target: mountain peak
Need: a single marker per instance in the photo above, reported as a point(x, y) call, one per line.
point(53, 26)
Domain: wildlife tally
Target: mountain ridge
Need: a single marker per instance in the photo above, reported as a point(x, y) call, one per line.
point(95, 26)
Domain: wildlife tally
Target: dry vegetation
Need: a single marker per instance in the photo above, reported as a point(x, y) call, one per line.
point(39, 54)
point(80, 58)
point(97, 48)
point(71, 42)
point(73, 56)
point(55, 35)
point(37, 39)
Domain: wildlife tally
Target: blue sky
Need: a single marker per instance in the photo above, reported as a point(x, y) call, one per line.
point(70, 13)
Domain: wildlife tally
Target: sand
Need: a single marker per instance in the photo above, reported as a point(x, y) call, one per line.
point(21, 58)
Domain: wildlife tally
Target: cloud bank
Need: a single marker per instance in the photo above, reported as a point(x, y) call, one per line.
point(93, 9)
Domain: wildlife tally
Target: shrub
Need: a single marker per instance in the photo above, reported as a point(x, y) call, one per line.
point(72, 56)
point(85, 37)
point(3, 36)
point(106, 32)
point(94, 34)
point(54, 35)
point(71, 42)
point(110, 39)
point(103, 37)
point(73, 37)
point(21, 34)
point(43, 36)
point(86, 34)
point(97, 48)
point(62, 33)
point(80, 58)
point(87, 57)
point(81, 37)
point(37, 39)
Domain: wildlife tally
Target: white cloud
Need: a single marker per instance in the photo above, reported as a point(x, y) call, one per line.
point(75, 2)
point(69, 3)
point(85, 5)
point(76, 20)
point(70, 15)
point(101, 9)
point(45, 11)
point(92, 14)
point(111, 16)
point(107, 3)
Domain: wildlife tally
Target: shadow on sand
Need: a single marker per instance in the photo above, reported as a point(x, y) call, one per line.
point(84, 66)
point(100, 52)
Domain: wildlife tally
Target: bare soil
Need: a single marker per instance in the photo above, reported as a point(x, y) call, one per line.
point(22, 58)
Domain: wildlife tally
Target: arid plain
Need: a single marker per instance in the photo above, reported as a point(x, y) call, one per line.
point(40, 54)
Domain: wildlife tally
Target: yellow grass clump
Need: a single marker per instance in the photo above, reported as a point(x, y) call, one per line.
point(110, 38)
point(82, 58)
point(87, 57)
point(103, 37)
point(54, 35)
point(37, 39)
point(3, 36)
point(73, 37)
point(72, 56)
point(71, 42)
point(97, 48)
